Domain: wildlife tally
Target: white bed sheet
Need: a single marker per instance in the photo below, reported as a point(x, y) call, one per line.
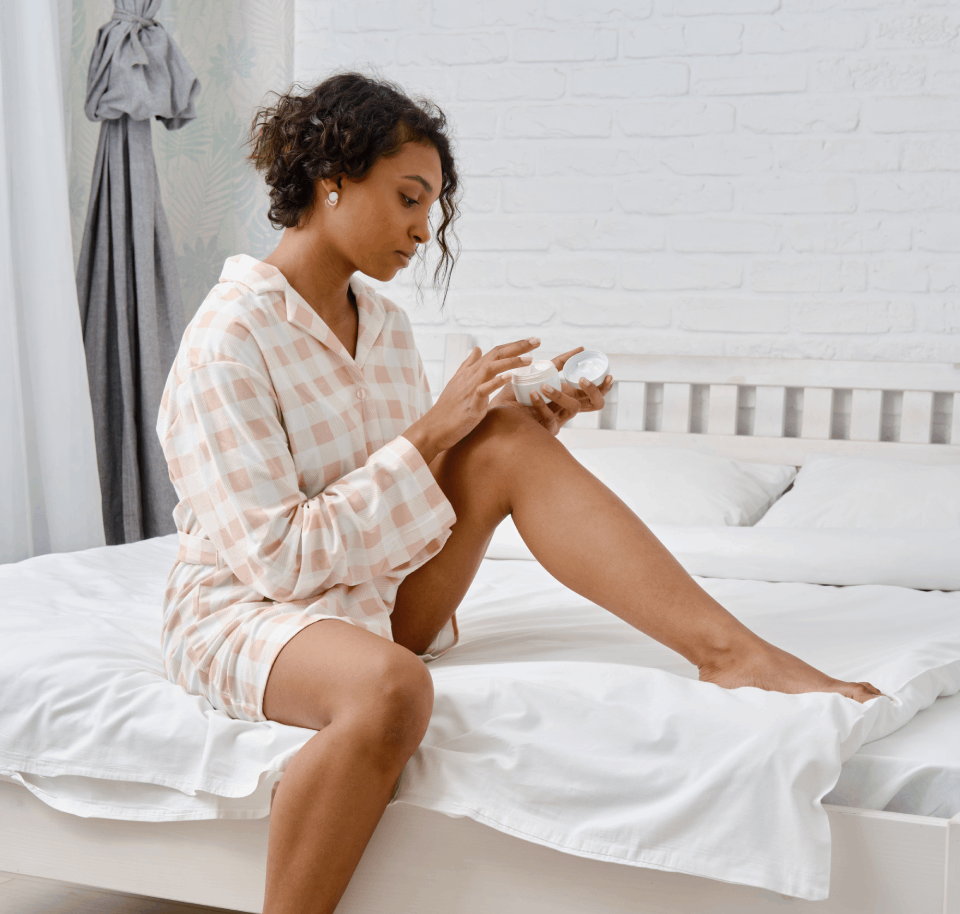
point(914, 770)
point(537, 727)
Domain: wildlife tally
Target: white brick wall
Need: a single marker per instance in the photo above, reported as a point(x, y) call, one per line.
point(739, 177)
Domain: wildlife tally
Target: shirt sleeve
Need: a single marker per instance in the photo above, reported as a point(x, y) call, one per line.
point(423, 385)
point(229, 458)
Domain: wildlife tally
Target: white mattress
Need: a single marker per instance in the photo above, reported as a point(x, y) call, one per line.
point(544, 716)
point(914, 770)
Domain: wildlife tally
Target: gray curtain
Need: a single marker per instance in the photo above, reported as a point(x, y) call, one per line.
point(127, 284)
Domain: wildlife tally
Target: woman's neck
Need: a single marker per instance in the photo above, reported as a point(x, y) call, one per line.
point(317, 276)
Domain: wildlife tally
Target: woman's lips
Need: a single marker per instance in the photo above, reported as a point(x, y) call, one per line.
point(404, 257)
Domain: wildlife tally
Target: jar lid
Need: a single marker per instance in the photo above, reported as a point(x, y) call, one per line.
point(590, 364)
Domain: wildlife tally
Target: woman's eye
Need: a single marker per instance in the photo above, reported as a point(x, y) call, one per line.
point(407, 200)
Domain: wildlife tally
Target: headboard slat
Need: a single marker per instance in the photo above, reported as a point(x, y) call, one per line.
point(676, 408)
point(916, 416)
point(769, 415)
point(722, 416)
point(631, 404)
point(817, 413)
point(866, 412)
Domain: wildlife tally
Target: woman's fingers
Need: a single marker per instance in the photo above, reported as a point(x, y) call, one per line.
point(544, 408)
point(508, 355)
point(595, 394)
point(563, 400)
point(592, 392)
point(489, 387)
point(561, 360)
point(575, 393)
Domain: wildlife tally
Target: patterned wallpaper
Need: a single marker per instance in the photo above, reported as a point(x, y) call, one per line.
point(215, 203)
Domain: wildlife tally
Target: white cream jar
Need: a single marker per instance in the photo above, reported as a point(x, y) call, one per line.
point(532, 377)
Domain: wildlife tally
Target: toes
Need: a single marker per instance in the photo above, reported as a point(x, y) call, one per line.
point(876, 693)
point(860, 691)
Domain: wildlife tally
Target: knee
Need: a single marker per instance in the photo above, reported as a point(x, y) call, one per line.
point(392, 715)
point(503, 431)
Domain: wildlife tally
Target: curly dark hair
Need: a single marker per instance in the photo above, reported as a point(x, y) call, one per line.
point(342, 126)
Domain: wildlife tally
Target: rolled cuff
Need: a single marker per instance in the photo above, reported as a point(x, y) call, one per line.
point(448, 636)
point(437, 521)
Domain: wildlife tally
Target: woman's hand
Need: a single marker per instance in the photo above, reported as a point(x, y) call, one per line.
point(464, 400)
point(560, 406)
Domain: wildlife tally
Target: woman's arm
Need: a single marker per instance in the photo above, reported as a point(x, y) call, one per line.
point(230, 459)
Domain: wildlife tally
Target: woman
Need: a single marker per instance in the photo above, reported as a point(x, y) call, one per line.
point(317, 483)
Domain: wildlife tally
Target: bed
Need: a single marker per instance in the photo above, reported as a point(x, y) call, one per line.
point(62, 820)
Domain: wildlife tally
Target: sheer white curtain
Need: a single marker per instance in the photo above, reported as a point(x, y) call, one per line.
point(49, 487)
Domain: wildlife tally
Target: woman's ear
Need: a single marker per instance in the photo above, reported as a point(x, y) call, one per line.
point(325, 185)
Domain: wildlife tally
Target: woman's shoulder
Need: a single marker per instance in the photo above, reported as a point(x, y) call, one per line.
point(247, 288)
point(230, 302)
point(237, 312)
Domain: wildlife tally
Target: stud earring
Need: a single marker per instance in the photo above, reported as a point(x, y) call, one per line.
point(332, 198)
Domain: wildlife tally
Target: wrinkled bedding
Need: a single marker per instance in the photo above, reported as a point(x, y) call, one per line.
point(553, 720)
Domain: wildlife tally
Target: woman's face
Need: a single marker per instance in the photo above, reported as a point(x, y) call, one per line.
point(385, 215)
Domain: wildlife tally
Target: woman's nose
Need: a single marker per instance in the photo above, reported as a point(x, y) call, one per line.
point(422, 231)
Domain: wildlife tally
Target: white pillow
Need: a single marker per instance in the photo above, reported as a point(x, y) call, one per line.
point(665, 485)
point(869, 493)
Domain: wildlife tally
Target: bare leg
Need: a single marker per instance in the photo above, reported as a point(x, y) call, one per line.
point(614, 561)
point(327, 806)
point(371, 702)
point(371, 699)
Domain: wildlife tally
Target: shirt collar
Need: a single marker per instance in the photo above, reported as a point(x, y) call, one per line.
point(262, 277)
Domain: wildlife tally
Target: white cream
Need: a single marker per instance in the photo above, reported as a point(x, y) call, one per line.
point(590, 364)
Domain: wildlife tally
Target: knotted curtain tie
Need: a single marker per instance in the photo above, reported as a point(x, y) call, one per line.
point(124, 16)
point(139, 22)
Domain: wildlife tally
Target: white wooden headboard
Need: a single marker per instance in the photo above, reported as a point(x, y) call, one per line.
point(768, 410)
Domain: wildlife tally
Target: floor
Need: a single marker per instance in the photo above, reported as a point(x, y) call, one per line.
point(27, 895)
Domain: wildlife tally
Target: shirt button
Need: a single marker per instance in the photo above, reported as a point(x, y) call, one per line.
point(361, 393)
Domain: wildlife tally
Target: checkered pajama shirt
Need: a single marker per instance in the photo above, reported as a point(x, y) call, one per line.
point(299, 497)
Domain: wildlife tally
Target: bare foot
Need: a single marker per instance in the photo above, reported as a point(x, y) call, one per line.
point(764, 666)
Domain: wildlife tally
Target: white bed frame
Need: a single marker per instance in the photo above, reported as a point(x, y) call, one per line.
point(767, 410)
